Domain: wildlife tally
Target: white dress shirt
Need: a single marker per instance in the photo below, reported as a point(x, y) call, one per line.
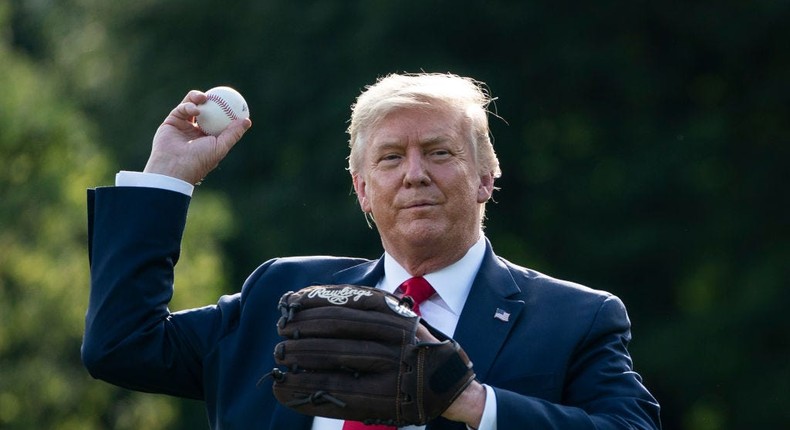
point(442, 310)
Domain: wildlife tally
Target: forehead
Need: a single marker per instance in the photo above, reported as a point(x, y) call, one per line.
point(423, 124)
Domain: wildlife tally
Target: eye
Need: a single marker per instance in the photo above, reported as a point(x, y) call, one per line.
point(440, 154)
point(390, 157)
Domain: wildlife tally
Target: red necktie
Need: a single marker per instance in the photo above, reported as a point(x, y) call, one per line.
point(419, 290)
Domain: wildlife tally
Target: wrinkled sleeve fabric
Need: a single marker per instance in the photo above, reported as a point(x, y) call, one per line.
point(601, 390)
point(131, 338)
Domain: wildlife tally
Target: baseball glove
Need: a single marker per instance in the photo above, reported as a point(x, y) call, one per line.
point(351, 353)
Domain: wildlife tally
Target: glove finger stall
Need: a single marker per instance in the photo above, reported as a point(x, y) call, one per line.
point(334, 354)
point(363, 392)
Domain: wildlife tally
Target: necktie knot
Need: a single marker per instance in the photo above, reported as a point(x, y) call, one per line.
point(418, 289)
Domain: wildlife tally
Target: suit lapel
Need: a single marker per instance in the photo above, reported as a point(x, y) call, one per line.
point(488, 315)
point(366, 274)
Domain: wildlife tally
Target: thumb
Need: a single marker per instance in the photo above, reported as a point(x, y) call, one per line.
point(232, 134)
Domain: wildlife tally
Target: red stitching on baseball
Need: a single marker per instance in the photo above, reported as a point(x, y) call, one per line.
point(223, 105)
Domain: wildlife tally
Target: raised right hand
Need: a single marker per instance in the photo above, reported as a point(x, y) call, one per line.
point(182, 151)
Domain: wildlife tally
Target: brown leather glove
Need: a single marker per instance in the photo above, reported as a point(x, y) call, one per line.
point(351, 353)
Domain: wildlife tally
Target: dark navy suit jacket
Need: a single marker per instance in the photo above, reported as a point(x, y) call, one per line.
point(559, 361)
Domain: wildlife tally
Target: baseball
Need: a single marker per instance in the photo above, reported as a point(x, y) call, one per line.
point(224, 105)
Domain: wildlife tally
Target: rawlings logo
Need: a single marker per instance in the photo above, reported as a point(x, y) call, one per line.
point(339, 297)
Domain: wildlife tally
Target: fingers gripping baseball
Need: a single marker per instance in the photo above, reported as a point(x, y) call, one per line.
point(353, 353)
point(181, 150)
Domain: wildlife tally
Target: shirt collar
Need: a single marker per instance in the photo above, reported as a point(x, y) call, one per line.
point(451, 283)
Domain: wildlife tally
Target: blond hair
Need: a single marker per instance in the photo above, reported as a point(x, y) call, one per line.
point(445, 90)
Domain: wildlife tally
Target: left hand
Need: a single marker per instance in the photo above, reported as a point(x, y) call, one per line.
point(468, 406)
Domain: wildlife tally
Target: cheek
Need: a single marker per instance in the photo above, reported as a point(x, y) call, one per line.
point(376, 197)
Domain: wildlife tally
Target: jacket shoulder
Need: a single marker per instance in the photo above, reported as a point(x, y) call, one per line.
point(280, 275)
point(534, 282)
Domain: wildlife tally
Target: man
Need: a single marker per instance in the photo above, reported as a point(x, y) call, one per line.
point(548, 354)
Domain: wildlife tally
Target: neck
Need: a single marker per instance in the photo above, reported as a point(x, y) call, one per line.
point(421, 260)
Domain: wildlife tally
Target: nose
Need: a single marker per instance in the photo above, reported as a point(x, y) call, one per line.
point(416, 170)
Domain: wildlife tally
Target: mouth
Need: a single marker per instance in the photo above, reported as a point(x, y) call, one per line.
point(419, 204)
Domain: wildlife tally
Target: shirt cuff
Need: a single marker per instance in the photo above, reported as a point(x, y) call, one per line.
point(488, 420)
point(125, 178)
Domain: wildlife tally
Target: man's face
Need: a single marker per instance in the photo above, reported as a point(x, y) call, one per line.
point(420, 181)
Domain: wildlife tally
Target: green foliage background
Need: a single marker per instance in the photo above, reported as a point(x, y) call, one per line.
point(644, 149)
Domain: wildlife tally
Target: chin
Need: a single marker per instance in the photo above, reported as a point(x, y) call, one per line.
point(423, 235)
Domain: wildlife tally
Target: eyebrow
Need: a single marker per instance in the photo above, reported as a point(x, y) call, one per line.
point(436, 139)
point(433, 140)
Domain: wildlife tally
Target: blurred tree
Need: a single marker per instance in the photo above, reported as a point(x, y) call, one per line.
point(50, 155)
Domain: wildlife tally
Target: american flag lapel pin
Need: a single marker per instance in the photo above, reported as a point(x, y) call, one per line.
point(502, 315)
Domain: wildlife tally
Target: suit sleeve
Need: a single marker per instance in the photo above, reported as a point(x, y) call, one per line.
point(131, 337)
point(601, 390)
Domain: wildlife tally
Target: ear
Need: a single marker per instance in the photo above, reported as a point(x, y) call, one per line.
point(362, 195)
point(486, 188)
